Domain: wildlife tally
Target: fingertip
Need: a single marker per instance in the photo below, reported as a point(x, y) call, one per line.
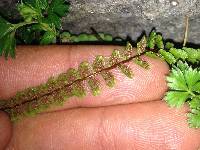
point(5, 130)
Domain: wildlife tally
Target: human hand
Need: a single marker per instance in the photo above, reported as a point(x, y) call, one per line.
point(129, 116)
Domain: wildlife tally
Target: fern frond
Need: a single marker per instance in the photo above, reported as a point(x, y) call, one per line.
point(58, 89)
point(171, 55)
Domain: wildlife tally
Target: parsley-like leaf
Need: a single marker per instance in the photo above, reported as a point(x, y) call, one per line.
point(176, 98)
point(184, 85)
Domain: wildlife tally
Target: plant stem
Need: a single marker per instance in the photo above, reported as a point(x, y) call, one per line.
point(21, 24)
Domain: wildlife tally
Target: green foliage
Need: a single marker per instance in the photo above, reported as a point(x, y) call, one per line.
point(184, 80)
point(167, 56)
point(7, 40)
point(184, 85)
point(152, 39)
point(155, 41)
point(159, 41)
point(39, 16)
point(58, 7)
point(169, 45)
point(67, 37)
point(170, 54)
point(185, 54)
point(7, 45)
point(194, 115)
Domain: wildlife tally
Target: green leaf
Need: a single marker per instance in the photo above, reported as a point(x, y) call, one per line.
point(152, 40)
point(39, 4)
point(5, 27)
point(7, 38)
point(159, 41)
point(193, 54)
point(176, 98)
point(42, 4)
point(169, 45)
point(28, 12)
point(108, 37)
point(194, 118)
point(47, 38)
point(195, 103)
point(180, 83)
point(192, 76)
point(105, 37)
point(53, 19)
point(58, 7)
point(92, 37)
point(182, 66)
point(196, 87)
point(167, 56)
point(179, 53)
point(184, 85)
point(176, 80)
point(82, 37)
point(65, 37)
point(152, 55)
point(7, 45)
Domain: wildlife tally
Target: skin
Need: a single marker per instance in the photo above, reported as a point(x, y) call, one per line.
point(132, 115)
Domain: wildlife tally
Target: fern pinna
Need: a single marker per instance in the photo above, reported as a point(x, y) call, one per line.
point(183, 81)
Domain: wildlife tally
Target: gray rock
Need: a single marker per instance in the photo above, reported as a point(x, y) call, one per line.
point(131, 17)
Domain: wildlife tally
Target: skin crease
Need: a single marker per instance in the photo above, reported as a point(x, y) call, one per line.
point(129, 116)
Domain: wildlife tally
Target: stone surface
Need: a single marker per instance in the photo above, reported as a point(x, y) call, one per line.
point(129, 17)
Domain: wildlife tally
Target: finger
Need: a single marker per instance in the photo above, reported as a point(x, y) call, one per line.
point(34, 65)
point(150, 125)
point(5, 130)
